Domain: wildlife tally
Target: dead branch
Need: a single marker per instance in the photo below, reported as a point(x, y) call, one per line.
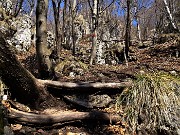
point(46, 119)
point(99, 85)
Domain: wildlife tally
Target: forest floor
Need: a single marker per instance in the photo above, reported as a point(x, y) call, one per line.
point(159, 57)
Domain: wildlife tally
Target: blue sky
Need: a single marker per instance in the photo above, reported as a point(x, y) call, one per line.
point(119, 12)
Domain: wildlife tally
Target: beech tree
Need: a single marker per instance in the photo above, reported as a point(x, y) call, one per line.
point(137, 19)
point(94, 11)
point(73, 4)
point(64, 21)
point(44, 63)
point(128, 29)
point(56, 9)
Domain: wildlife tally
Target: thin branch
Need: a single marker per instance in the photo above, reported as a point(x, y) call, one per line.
point(90, 6)
point(19, 8)
point(107, 6)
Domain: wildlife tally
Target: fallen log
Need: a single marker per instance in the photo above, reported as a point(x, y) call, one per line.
point(99, 85)
point(62, 117)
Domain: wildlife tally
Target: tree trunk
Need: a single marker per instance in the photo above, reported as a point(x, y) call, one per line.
point(21, 83)
point(170, 15)
point(128, 30)
point(57, 26)
point(63, 23)
point(138, 30)
point(94, 31)
point(73, 37)
point(43, 53)
point(138, 22)
point(73, 12)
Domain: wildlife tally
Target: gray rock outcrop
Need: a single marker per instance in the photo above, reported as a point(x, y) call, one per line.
point(6, 5)
point(91, 101)
point(22, 38)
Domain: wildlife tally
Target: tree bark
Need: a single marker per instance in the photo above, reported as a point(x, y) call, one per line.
point(94, 31)
point(73, 12)
point(128, 30)
point(56, 10)
point(45, 119)
point(21, 83)
point(63, 23)
point(138, 21)
point(138, 30)
point(43, 53)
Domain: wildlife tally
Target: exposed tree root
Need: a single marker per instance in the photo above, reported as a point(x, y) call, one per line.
point(63, 117)
point(58, 85)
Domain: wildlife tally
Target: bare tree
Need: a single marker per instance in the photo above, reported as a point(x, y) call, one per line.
point(43, 53)
point(73, 4)
point(94, 11)
point(56, 9)
point(137, 20)
point(170, 15)
point(128, 29)
point(94, 28)
point(64, 20)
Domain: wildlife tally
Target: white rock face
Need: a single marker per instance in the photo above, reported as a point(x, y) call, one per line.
point(105, 34)
point(22, 38)
point(100, 48)
point(50, 39)
point(23, 24)
point(5, 28)
point(77, 34)
point(6, 5)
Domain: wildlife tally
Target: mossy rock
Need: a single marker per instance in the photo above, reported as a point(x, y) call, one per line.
point(66, 66)
point(91, 101)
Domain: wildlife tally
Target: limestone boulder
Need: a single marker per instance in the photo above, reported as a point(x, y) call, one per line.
point(50, 39)
point(6, 5)
point(91, 101)
point(22, 38)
